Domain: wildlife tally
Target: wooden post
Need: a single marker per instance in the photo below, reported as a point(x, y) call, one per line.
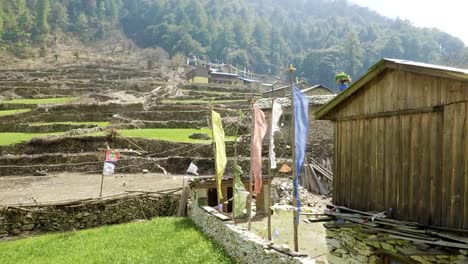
point(102, 177)
point(234, 186)
point(249, 226)
point(270, 177)
point(293, 149)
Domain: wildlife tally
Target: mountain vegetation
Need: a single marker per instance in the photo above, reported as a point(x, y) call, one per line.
point(321, 37)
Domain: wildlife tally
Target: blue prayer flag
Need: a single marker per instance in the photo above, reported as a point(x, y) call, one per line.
point(301, 128)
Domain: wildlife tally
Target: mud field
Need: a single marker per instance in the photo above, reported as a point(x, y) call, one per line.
point(68, 186)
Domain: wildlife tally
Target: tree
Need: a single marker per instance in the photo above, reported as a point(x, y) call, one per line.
point(353, 54)
point(58, 18)
point(42, 26)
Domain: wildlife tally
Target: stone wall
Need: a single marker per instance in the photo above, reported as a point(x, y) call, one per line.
point(355, 245)
point(241, 245)
point(17, 220)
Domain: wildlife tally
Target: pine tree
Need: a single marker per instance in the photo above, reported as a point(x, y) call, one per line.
point(42, 25)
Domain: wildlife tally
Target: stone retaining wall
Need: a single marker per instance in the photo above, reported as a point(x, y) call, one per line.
point(17, 220)
point(241, 245)
point(353, 245)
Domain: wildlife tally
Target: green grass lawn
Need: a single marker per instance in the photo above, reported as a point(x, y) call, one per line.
point(101, 124)
point(170, 134)
point(162, 240)
point(13, 112)
point(59, 100)
point(14, 138)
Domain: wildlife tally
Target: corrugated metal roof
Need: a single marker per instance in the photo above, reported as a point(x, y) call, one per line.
point(225, 73)
point(427, 65)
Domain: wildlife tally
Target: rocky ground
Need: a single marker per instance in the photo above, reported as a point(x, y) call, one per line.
point(282, 195)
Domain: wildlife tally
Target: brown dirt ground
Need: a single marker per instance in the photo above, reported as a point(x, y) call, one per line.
point(67, 186)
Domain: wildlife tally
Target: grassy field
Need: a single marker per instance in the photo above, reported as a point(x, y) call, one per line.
point(59, 100)
point(170, 134)
point(13, 112)
point(101, 124)
point(14, 138)
point(162, 240)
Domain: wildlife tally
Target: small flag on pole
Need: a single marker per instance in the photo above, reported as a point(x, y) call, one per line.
point(193, 169)
point(220, 149)
point(258, 133)
point(301, 128)
point(276, 112)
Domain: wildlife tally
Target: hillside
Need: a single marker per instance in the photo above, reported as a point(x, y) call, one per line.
point(321, 37)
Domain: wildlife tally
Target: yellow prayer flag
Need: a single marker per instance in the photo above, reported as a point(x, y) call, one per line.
point(220, 149)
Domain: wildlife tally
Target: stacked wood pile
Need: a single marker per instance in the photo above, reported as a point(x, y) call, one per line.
point(316, 178)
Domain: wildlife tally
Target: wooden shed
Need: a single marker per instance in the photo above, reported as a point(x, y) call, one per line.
point(401, 142)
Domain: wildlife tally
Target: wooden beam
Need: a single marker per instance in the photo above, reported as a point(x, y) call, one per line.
point(392, 113)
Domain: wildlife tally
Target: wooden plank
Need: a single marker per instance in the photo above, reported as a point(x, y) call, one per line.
point(372, 186)
point(458, 156)
point(437, 173)
point(447, 166)
point(438, 242)
point(388, 147)
point(465, 192)
point(403, 211)
point(425, 131)
point(367, 166)
point(417, 252)
point(349, 161)
point(396, 166)
point(362, 159)
point(407, 111)
point(380, 164)
point(336, 161)
point(415, 163)
point(215, 213)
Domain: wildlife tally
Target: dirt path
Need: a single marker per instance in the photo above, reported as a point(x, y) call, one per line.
point(66, 186)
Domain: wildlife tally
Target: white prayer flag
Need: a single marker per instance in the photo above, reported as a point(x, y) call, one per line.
point(109, 169)
point(276, 112)
point(193, 169)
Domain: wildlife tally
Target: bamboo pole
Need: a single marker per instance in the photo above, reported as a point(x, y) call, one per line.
point(249, 226)
point(293, 149)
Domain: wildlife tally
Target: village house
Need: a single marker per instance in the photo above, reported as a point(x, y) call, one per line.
point(401, 143)
point(205, 193)
point(198, 75)
point(401, 147)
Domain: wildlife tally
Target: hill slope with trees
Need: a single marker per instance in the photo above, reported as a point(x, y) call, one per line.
point(322, 37)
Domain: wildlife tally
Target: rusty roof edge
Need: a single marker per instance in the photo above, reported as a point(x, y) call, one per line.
point(374, 70)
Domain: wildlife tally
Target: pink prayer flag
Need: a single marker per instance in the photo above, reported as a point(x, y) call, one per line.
point(258, 133)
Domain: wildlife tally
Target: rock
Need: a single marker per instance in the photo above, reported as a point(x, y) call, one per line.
point(200, 136)
point(40, 173)
point(145, 171)
point(28, 227)
point(79, 216)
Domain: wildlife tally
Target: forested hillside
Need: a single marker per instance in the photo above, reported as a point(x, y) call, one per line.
point(321, 37)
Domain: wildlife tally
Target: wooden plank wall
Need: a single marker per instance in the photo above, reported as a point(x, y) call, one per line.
point(416, 164)
point(398, 90)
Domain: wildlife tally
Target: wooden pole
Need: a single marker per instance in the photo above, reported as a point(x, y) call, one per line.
point(270, 177)
point(234, 186)
point(249, 226)
point(293, 149)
